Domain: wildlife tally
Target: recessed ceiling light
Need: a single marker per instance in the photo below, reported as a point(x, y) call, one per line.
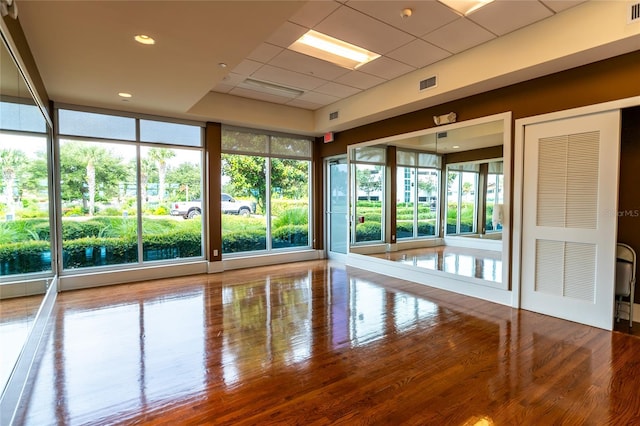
point(222, 65)
point(331, 49)
point(144, 39)
point(455, 146)
point(465, 7)
point(125, 95)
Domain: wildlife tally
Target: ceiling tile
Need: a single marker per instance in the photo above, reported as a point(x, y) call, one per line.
point(359, 29)
point(427, 15)
point(288, 78)
point(386, 68)
point(232, 79)
point(459, 35)
point(560, 5)
point(418, 54)
point(503, 16)
point(338, 90)
point(265, 52)
point(318, 98)
point(360, 80)
point(313, 12)
point(286, 34)
point(304, 104)
point(247, 67)
point(307, 65)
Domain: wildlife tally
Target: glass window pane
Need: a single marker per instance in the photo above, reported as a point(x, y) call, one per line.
point(369, 154)
point(453, 184)
point(369, 207)
point(171, 193)
point(406, 158)
point(98, 193)
point(494, 214)
point(429, 160)
point(289, 203)
point(21, 117)
point(236, 141)
point(427, 202)
point(170, 133)
point(290, 147)
point(244, 225)
point(25, 233)
point(405, 191)
point(80, 123)
point(468, 191)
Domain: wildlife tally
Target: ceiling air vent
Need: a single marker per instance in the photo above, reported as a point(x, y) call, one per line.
point(634, 12)
point(333, 115)
point(427, 83)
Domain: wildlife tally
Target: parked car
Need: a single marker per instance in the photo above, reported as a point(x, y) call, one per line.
point(187, 209)
point(229, 205)
point(232, 206)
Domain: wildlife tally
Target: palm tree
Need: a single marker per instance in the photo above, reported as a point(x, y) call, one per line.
point(160, 156)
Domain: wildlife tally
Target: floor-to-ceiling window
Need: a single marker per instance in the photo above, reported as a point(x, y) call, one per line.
point(368, 171)
point(494, 214)
point(25, 230)
point(417, 194)
point(122, 181)
point(265, 187)
point(462, 184)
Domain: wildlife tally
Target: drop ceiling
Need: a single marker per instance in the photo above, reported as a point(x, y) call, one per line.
point(206, 50)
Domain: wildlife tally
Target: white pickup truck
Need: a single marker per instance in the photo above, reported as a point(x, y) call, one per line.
point(230, 205)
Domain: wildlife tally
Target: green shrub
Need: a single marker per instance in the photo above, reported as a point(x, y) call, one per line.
point(74, 211)
point(235, 242)
point(161, 211)
point(290, 236)
point(292, 217)
point(368, 231)
point(94, 251)
point(281, 205)
point(24, 257)
point(172, 245)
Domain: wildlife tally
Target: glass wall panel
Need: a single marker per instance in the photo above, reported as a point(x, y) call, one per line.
point(369, 190)
point(289, 203)
point(171, 194)
point(427, 208)
point(170, 133)
point(25, 233)
point(244, 180)
point(461, 197)
point(405, 206)
point(265, 191)
point(99, 203)
point(494, 197)
point(82, 123)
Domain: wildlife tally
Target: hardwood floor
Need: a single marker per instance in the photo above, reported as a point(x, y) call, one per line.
point(316, 343)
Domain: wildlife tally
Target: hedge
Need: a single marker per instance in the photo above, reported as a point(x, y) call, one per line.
point(234, 242)
point(24, 257)
point(290, 236)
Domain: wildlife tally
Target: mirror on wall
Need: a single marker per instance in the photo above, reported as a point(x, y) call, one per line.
point(25, 239)
point(444, 186)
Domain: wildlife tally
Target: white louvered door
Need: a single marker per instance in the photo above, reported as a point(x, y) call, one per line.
point(569, 220)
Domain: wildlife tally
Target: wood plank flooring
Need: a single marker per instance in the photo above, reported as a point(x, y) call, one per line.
point(317, 343)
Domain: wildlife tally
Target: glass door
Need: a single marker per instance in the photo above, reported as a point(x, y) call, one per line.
point(337, 202)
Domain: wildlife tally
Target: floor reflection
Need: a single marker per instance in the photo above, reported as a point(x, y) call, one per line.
point(319, 343)
point(473, 263)
point(16, 319)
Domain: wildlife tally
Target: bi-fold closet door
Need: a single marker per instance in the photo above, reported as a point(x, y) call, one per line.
point(569, 220)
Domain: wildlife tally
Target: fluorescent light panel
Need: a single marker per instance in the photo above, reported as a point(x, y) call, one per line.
point(465, 7)
point(271, 88)
point(330, 49)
